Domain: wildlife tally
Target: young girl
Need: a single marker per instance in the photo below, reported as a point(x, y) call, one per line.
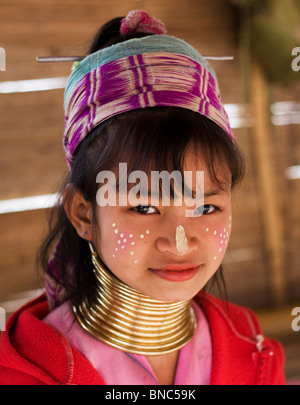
point(125, 299)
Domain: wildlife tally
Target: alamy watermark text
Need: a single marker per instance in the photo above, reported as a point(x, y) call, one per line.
point(296, 61)
point(111, 194)
point(2, 60)
point(296, 321)
point(2, 319)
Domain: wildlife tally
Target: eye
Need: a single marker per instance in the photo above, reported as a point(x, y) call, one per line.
point(144, 209)
point(205, 209)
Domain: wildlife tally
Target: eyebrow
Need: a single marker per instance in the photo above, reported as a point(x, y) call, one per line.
point(213, 192)
point(210, 193)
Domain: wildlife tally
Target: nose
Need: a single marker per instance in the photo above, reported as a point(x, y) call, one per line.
point(178, 242)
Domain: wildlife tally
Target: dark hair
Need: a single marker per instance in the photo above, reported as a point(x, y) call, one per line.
point(154, 138)
point(109, 34)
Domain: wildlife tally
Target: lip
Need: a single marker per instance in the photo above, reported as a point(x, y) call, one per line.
point(178, 266)
point(176, 272)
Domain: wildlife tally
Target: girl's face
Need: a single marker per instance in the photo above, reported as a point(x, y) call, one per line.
point(160, 251)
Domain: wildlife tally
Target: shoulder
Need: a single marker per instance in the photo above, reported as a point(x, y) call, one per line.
point(32, 352)
point(240, 320)
point(241, 351)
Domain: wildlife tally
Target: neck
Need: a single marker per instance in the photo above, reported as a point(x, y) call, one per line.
point(131, 321)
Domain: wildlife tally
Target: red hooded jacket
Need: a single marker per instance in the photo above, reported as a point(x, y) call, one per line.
point(33, 353)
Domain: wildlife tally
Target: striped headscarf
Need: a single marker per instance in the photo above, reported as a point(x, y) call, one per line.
point(156, 70)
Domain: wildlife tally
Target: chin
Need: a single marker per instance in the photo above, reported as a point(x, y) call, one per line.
point(174, 295)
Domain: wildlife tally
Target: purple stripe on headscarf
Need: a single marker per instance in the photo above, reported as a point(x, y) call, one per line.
point(134, 72)
point(90, 100)
point(136, 82)
point(81, 88)
point(75, 140)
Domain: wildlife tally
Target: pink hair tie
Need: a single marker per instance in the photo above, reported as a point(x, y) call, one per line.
point(141, 21)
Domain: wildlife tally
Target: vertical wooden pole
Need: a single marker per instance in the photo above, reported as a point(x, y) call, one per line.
point(268, 193)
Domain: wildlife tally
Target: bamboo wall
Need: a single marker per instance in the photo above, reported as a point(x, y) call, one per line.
point(262, 265)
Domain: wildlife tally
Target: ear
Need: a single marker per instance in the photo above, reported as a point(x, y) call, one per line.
point(79, 211)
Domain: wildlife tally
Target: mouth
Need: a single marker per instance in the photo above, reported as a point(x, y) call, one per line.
point(176, 272)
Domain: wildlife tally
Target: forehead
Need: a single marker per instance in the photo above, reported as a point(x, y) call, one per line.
point(215, 177)
point(194, 177)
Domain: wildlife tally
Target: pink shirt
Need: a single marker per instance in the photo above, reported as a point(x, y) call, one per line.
point(120, 368)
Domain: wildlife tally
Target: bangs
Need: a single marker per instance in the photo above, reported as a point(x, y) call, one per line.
point(158, 139)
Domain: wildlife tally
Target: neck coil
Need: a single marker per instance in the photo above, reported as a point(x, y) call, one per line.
point(131, 321)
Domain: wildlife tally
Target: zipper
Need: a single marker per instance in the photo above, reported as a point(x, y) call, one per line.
point(132, 357)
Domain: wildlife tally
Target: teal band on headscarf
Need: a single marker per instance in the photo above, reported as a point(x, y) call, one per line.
point(136, 46)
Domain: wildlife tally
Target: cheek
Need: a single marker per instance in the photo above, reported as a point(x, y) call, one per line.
point(219, 239)
point(222, 238)
point(124, 243)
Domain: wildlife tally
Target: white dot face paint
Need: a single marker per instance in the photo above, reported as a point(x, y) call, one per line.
point(126, 243)
point(221, 238)
point(181, 239)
